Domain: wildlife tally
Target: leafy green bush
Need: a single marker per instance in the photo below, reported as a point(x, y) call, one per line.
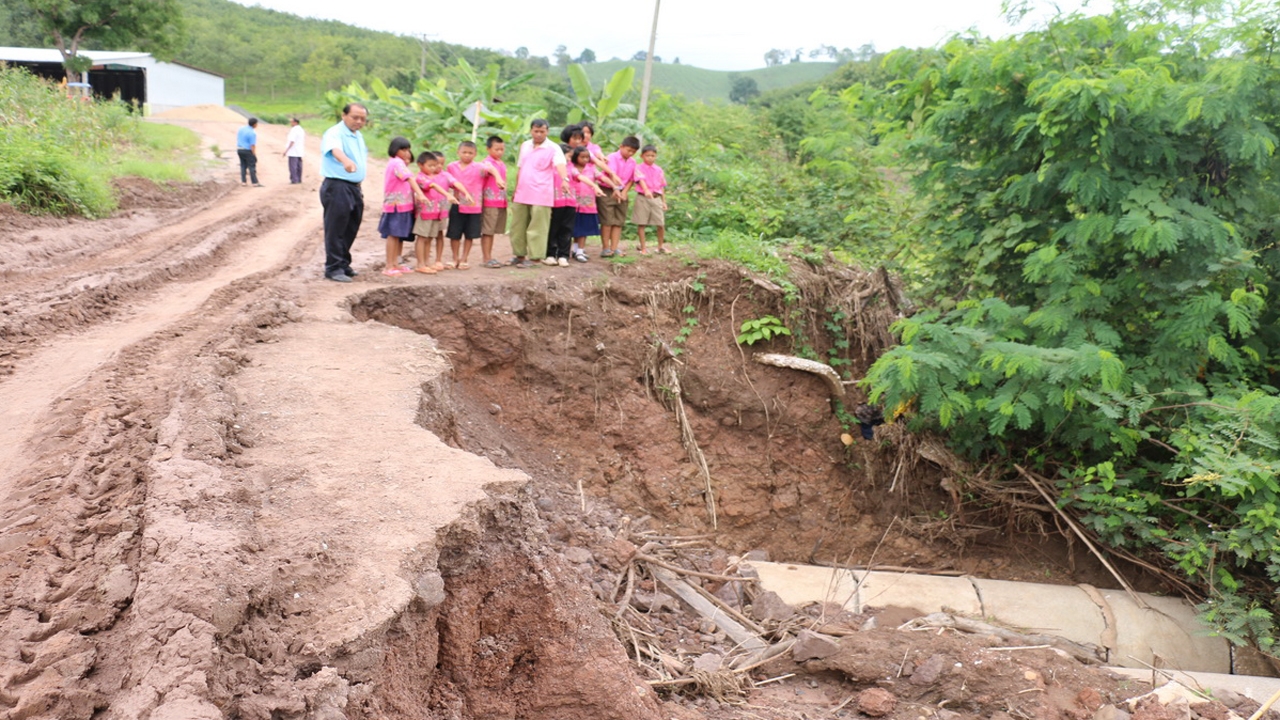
point(49, 144)
point(1102, 204)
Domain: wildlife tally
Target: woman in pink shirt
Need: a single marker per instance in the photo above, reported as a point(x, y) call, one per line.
point(398, 194)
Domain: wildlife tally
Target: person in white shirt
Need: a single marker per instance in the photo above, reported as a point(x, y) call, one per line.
point(293, 150)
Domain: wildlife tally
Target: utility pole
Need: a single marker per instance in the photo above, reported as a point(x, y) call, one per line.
point(648, 63)
point(422, 67)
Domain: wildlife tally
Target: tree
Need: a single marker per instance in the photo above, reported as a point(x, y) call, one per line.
point(562, 56)
point(799, 56)
point(588, 56)
point(742, 88)
point(676, 61)
point(774, 57)
point(522, 53)
point(1102, 200)
point(155, 26)
point(640, 56)
point(329, 65)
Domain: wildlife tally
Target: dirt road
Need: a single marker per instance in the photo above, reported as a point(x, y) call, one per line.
point(215, 496)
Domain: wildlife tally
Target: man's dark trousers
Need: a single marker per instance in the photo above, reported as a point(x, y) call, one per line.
point(248, 164)
point(343, 204)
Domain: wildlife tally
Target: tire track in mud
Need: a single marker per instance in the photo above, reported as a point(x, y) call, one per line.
point(97, 281)
point(159, 314)
point(238, 244)
point(78, 583)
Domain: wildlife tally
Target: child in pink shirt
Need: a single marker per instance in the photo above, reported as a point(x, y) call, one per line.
point(651, 203)
point(398, 195)
point(432, 211)
point(493, 218)
point(464, 219)
point(613, 206)
point(586, 223)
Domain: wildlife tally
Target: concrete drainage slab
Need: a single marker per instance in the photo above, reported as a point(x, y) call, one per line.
point(1138, 630)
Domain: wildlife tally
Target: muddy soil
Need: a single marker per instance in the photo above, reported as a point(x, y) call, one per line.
point(230, 489)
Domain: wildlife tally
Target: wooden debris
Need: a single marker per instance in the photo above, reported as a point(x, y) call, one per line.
point(744, 637)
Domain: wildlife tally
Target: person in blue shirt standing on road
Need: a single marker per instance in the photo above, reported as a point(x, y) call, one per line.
point(247, 149)
point(343, 160)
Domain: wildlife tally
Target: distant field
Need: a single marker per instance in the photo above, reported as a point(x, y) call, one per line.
point(696, 83)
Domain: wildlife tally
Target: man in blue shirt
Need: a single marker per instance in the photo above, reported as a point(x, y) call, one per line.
point(343, 160)
point(247, 149)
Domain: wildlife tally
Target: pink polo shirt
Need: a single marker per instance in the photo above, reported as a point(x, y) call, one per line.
point(472, 178)
point(625, 169)
point(397, 195)
point(437, 207)
point(654, 178)
point(586, 195)
point(537, 178)
point(494, 196)
point(566, 197)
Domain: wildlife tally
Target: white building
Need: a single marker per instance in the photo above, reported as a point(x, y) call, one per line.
point(138, 77)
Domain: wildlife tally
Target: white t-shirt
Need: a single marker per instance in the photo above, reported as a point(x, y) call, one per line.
point(293, 143)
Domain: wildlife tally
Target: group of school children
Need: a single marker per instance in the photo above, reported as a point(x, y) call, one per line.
point(467, 199)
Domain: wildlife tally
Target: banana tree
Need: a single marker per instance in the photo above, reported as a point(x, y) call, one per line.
point(612, 118)
point(435, 113)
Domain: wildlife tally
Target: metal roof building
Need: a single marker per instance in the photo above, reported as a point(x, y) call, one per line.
point(156, 86)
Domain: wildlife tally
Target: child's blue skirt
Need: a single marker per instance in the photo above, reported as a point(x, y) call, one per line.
point(396, 224)
point(586, 225)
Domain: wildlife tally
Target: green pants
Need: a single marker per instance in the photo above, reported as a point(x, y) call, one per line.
point(529, 227)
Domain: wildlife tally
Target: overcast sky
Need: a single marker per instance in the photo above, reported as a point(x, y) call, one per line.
point(714, 34)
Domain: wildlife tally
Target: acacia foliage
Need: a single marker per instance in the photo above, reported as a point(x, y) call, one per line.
point(1102, 214)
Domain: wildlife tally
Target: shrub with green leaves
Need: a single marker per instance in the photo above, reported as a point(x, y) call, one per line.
point(49, 145)
point(1103, 208)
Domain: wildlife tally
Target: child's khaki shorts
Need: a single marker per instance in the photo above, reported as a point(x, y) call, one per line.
point(648, 211)
point(428, 228)
point(612, 212)
point(493, 221)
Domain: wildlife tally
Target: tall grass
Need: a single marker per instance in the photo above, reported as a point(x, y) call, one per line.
point(49, 144)
point(58, 155)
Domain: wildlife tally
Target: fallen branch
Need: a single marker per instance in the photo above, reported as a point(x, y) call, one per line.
point(693, 573)
point(823, 370)
point(1080, 533)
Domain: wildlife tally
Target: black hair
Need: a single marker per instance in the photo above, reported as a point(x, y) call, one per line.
point(538, 122)
point(631, 141)
point(648, 148)
point(573, 157)
point(565, 147)
point(439, 155)
point(425, 157)
point(346, 109)
point(491, 140)
point(397, 144)
point(295, 120)
point(569, 131)
point(253, 122)
point(589, 126)
point(466, 143)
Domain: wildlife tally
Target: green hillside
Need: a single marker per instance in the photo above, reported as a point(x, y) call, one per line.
point(697, 83)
